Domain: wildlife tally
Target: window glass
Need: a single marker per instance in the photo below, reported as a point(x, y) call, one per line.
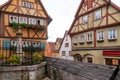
point(13, 19)
point(89, 37)
point(85, 19)
point(100, 35)
point(22, 20)
point(97, 14)
point(112, 34)
point(24, 4)
point(32, 21)
point(81, 38)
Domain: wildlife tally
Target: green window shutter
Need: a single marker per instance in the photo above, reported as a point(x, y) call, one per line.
point(43, 45)
point(6, 44)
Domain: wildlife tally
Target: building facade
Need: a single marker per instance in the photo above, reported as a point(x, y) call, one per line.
point(95, 32)
point(65, 47)
point(58, 43)
point(31, 16)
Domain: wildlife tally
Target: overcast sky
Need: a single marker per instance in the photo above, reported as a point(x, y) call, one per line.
point(62, 13)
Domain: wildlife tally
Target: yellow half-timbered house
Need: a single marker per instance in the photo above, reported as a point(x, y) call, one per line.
point(31, 16)
point(95, 32)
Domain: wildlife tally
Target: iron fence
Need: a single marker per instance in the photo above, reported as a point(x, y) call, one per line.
point(29, 56)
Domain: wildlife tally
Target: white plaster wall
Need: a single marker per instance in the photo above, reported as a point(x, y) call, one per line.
point(66, 49)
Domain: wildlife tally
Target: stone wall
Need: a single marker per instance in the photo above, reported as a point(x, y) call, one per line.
point(60, 69)
point(35, 72)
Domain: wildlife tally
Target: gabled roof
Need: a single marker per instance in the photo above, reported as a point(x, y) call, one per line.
point(52, 46)
point(66, 33)
point(59, 40)
point(49, 18)
point(79, 8)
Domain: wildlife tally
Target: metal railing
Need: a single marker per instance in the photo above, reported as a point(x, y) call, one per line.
point(29, 56)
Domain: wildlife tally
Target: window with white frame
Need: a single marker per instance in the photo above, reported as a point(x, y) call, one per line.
point(81, 38)
point(89, 37)
point(32, 21)
point(13, 19)
point(85, 19)
point(63, 53)
point(112, 34)
point(24, 4)
point(40, 22)
point(23, 20)
point(100, 35)
point(75, 40)
point(30, 5)
point(97, 14)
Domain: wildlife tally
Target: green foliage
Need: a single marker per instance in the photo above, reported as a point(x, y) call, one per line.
point(14, 59)
point(42, 27)
point(14, 25)
point(37, 57)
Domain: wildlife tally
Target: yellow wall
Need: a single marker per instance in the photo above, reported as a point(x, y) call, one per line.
point(97, 55)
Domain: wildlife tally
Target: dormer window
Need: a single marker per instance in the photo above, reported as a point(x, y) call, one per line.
point(97, 14)
point(13, 19)
point(85, 19)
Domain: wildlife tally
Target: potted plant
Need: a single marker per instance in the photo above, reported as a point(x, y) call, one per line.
point(37, 57)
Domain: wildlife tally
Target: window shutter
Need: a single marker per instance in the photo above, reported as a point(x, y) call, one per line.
point(43, 45)
point(6, 44)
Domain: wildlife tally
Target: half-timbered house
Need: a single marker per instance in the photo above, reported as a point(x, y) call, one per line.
point(33, 19)
point(95, 32)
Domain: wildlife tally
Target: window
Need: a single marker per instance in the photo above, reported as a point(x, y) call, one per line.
point(13, 19)
point(89, 59)
point(112, 34)
point(30, 5)
point(85, 19)
point(40, 22)
point(75, 40)
point(89, 37)
point(81, 38)
point(66, 44)
point(32, 21)
point(109, 61)
point(100, 35)
point(22, 20)
point(24, 4)
point(97, 14)
point(63, 53)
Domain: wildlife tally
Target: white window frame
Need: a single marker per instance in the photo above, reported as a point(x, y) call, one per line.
point(30, 5)
point(15, 19)
point(85, 19)
point(41, 22)
point(81, 38)
point(112, 34)
point(75, 39)
point(100, 35)
point(32, 21)
point(24, 20)
point(24, 4)
point(97, 14)
point(89, 37)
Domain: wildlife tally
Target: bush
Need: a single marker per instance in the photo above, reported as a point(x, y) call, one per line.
point(37, 57)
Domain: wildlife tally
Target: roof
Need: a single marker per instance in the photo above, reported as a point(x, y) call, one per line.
point(82, 1)
point(83, 71)
point(59, 40)
point(52, 46)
